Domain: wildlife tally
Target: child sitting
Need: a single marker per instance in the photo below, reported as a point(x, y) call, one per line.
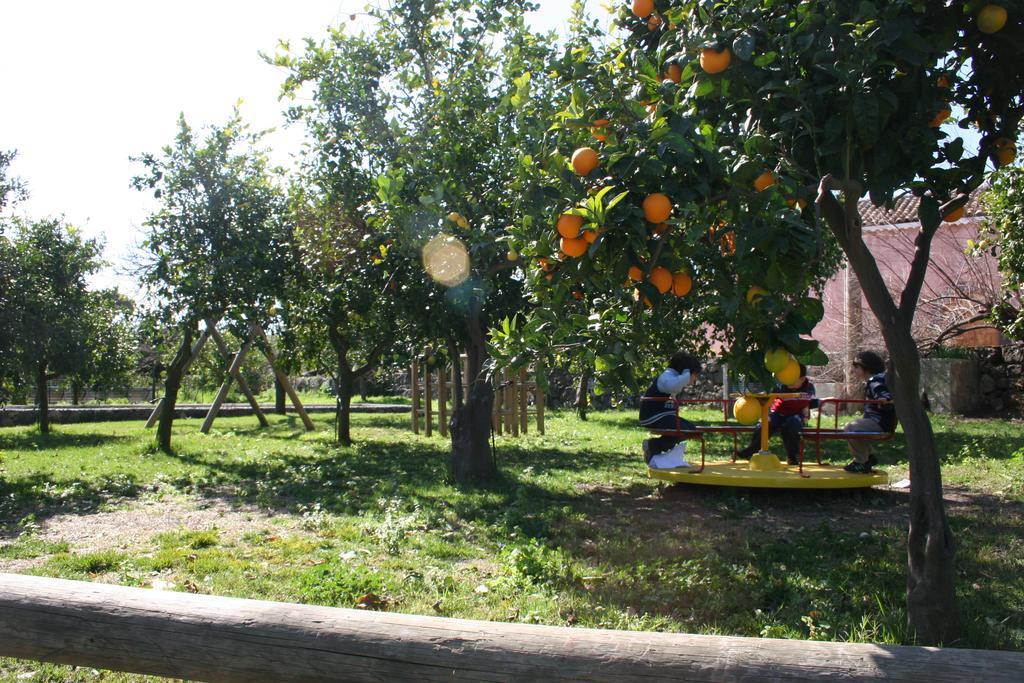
point(878, 417)
point(787, 417)
point(667, 451)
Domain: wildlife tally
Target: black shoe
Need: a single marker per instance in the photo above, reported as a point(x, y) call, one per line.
point(647, 451)
point(872, 460)
point(793, 461)
point(745, 454)
point(859, 467)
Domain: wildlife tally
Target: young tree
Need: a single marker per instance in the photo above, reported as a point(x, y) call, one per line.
point(443, 106)
point(215, 247)
point(1002, 236)
point(729, 119)
point(50, 262)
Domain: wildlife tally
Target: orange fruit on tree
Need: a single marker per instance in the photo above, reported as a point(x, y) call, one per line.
point(584, 160)
point(943, 81)
point(939, 118)
point(1006, 151)
point(715, 61)
point(591, 235)
point(575, 247)
point(727, 243)
point(764, 181)
point(569, 225)
point(954, 215)
point(777, 359)
point(797, 204)
point(755, 294)
point(657, 208)
point(682, 283)
point(646, 300)
point(991, 18)
point(674, 73)
point(643, 8)
point(599, 129)
point(654, 23)
point(660, 229)
point(661, 278)
point(636, 274)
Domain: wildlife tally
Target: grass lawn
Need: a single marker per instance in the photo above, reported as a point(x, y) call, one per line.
point(574, 533)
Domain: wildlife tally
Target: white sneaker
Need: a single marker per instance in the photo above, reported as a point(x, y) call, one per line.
point(670, 459)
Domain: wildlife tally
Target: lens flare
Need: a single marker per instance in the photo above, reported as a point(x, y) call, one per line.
point(446, 260)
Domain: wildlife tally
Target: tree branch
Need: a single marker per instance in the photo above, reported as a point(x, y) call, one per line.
point(922, 256)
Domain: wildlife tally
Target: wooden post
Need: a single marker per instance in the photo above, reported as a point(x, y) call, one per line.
point(242, 384)
point(233, 371)
point(513, 401)
point(496, 410)
point(524, 400)
point(442, 401)
point(414, 391)
point(539, 400)
point(285, 382)
point(428, 400)
point(209, 638)
point(196, 349)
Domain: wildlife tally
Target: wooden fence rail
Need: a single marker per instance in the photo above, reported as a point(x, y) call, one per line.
point(208, 638)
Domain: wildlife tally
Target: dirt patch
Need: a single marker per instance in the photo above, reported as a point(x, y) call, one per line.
point(139, 520)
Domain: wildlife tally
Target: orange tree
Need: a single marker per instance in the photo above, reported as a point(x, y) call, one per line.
point(442, 105)
point(764, 123)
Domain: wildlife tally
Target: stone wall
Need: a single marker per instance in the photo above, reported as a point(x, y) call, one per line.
point(1001, 380)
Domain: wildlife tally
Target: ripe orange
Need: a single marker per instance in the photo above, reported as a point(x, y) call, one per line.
point(939, 118)
point(643, 8)
point(599, 129)
point(714, 61)
point(657, 208)
point(654, 23)
point(569, 225)
point(584, 160)
point(577, 294)
point(660, 229)
point(991, 18)
point(727, 244)
point(764, 181)
point(661, 277)
point(681, 283)
point(574, 247)
point(636, 274)
point(647, 301)
point(674, 73)
point(943, 81)
point(1006, 151)
point(798, 204)
point(591, 235)
point(954, 215)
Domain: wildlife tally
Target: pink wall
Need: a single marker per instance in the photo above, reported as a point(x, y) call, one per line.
point(956, 286)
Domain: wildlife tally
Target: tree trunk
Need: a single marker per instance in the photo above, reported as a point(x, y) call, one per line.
point(76, 392)
point(931, 607)
point(42, 398)
point(175, 373)
point(583, 393)
point(931, 602)
point(344, 386)
point(457, 380)
point(279, 397)
point(472, 458)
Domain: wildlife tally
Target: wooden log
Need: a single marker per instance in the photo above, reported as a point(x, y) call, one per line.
point(207, 638)
point(234, 370)
point(242, 384)
point(524, 400)
point(442, 401)
point(268, 351)
point(428, 399)
point(414, 391)
point(196, 349)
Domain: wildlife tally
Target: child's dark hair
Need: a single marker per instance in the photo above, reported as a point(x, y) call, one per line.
point(803, 370)
point(870, 361)
point(683, 361)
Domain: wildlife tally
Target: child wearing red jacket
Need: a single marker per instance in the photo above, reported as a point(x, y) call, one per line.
point(786, 416)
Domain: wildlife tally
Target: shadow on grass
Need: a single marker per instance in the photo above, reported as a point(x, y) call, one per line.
point(56, 439)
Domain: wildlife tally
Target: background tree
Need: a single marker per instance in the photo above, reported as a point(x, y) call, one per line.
point(11, 190)
point(216, 246)
point(741, 114)
point(445, 103)
point(1002, 236)
point(50, 262)
point(111, 343)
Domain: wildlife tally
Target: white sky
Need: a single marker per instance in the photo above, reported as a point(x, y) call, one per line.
point(86, 85)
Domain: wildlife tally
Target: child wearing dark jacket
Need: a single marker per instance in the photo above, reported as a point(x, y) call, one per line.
point(786, 416)
point(667, 451)
point(878, 417)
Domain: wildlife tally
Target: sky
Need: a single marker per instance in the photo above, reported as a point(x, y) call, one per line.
point(87, 85)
